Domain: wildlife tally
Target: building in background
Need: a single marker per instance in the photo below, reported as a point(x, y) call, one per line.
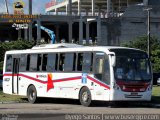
point(107, 22)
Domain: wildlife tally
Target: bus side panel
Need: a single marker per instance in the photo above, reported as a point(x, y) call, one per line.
point(7, 79)
point(25, 82)
point(27, 79)
point(101, 91)
point(65, 85)
point(7, 84)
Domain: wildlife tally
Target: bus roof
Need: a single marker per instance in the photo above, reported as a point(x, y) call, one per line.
point(53, 46)
point(66, 47)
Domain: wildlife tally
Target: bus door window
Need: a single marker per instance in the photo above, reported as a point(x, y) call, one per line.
point(68, 63)
point(87, 62)
point(61, 61)
point(15, 65)
point(44, 62)
point(52, 62)
point(15, 74)
point(80, 62)
point(106, 77)
point(99, 66)
point(9, 63)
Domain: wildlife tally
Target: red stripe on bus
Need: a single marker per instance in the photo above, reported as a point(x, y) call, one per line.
point(34, 79)
point(67, 79)
point(45, 82)
point(60, 80)
point(31, 78)
point(96, 81)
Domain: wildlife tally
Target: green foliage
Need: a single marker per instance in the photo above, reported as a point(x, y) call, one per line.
point(11, 98)
point(156, 60)
point(13, 45)
point(142, 43)
point(1, 66)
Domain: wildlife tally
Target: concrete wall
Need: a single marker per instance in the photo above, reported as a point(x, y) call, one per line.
point(153, 2)
point(134, 23)
point(110, 31)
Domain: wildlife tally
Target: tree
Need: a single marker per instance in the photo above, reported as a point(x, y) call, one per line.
point(13, 45)
point(141, 43)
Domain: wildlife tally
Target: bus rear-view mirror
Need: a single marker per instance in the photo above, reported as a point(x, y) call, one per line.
point(113, 60)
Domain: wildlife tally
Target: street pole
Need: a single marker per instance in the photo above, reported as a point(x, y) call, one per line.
point(30, 7)
point(6, 5)
point(30, 24)
point(148, 31)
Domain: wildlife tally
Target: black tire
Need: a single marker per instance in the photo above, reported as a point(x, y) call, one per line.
point(85, 97)
point(32, 94)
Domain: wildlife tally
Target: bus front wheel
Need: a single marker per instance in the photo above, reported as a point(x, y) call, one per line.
point(32, 94)
point(85, 97)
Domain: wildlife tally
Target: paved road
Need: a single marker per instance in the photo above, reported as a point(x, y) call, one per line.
point(59, 111)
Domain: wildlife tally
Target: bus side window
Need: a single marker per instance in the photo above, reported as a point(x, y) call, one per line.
point(91, 67)
point(39, 63)
point(9, 63)
point(61, 61)
point(80, 62)
point(87, 62)
point(28, 62)
point(22, 67)
point(68, 63)
point(52, 62)
point(44, 62)
point(33, 62)
point(74, 61)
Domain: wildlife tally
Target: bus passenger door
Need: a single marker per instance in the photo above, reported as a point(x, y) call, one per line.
point(98, 74)
point(15, 74)
point(101, 88)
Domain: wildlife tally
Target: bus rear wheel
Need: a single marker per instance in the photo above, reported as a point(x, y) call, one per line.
point(85, 97)
point(32, 94)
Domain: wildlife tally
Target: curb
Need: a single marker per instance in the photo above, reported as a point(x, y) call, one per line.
point(156, 105)
point(153, 105)
point(11, 102)
point(144, 105)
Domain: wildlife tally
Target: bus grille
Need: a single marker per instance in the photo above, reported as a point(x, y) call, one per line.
point(133, 96)
point(132, 86)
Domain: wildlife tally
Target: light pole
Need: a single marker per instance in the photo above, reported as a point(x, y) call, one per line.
point(6, 5)
point(148, 30)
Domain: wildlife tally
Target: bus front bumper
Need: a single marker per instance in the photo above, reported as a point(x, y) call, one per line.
point(131, 96)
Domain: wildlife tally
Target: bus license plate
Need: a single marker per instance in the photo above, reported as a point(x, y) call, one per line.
point(134, 93)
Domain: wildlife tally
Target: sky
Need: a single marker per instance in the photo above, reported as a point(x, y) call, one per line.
point(38, 6)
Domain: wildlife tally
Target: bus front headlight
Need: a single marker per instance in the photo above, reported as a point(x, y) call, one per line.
point(149, 88)
point(116, 87)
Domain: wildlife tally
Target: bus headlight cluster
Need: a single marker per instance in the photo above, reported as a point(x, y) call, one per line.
point(149, 88)
point(142, 89)
point(123, 87)
point(115, 86)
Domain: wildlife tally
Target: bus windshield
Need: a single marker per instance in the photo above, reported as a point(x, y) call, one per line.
point(132, 67)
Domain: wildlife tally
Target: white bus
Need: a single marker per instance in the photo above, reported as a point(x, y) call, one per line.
point(73, 71)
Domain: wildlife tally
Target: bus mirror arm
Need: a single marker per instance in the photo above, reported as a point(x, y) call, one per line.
point(113, 59)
